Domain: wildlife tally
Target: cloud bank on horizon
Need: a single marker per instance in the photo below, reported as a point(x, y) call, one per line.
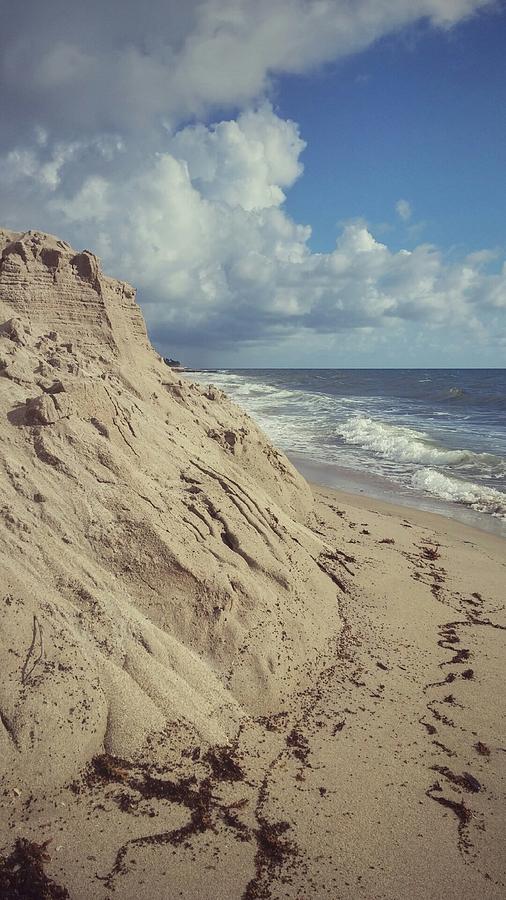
point(105, 139)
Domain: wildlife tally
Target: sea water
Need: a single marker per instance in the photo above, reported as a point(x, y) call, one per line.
point(432, 438)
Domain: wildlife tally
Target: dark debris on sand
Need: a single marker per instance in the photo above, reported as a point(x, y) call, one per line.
point(140, 782)
point(482, 748)
point(223, 764)
point(22, 875)
point(466, 781)
point(298, 744)
point(273, 849)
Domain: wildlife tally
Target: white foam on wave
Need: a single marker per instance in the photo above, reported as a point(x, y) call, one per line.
point(398, 442)
point(305, 422)
point(479, 497)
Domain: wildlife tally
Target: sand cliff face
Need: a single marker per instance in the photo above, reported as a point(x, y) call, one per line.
point(51, 287)
point(157, 577)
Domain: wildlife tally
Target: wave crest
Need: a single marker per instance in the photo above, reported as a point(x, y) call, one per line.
point(398, 442)
point(478, 497)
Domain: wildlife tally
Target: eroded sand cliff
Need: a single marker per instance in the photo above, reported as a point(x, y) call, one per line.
point(154, 563)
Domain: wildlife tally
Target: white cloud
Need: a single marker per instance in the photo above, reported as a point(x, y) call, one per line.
point(245, 162)
point(91, 203)
point(202, 232)
point(194, 215)
point(17, 165)
point(41, 136)
point(129, 70)
point(22, 163)
point(403, 210)
point(236, 45)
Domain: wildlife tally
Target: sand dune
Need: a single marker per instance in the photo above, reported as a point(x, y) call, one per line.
point(199, 663)
point(153, 542)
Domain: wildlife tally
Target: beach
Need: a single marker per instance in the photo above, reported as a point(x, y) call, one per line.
point(385, 778)
point(217, 679)
point(253, 450)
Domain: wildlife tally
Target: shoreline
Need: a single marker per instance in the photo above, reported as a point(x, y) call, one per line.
point(428, 485)
point(368, 492)
point(451, 529)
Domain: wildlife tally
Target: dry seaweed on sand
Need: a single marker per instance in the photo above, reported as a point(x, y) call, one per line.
point(102, 770)
point(223, 764)
point(198, 801)
point(298, 744)
point(466, 780)
point(272, 852)
point(431, 551)
point(22, 875)
point(458, 808)
point(206, 810)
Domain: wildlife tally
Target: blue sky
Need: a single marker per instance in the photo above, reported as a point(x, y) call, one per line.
point(422, 116)
point(298, 183)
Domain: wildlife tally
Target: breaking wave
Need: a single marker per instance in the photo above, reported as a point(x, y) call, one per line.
point(478, 497)
point(405, 427)
point(403, 444)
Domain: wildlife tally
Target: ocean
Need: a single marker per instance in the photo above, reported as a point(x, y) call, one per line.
point(434, 438)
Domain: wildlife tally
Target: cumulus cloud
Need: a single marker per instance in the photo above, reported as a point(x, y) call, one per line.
point(245, 162)
point(95, 144)
point(46, 168)
point(202, 231)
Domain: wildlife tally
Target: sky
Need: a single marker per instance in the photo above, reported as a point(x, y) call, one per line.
point(291, 183)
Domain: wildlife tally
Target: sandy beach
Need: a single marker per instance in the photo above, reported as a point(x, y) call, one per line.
point(383, 779)
point(218, 681)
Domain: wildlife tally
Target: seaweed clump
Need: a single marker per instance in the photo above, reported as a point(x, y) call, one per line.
point(430, 552)
point(22, 875)
point(223, 764)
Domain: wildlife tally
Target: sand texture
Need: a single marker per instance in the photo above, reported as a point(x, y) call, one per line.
point(216, 682)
